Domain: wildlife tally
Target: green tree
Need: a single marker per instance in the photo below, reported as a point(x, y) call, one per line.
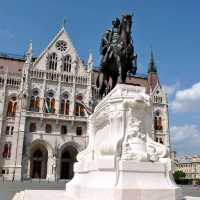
point(178, 176)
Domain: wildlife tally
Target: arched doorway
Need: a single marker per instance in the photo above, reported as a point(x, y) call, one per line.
point(68, 158)
point(38, 162)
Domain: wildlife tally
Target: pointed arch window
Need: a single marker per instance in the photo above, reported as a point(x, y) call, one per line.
point(12, 107)
point(32, 127)
point(79, 106)
point(48, 128)
point(157, 99)
point(64, 105)
point(157, 121)
point(79, 131)
point(67, 62)
point(50, 103)
point(7, 150)
point(35, 102)
point(63, 129)
point(52, 61)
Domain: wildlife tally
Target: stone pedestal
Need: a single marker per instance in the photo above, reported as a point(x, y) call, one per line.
point(121, 161)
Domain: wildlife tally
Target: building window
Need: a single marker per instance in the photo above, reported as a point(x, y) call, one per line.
point(63, 130)
point(79, 131)
point(7, 150)
point(12, 106)
point(50, 103)
point(67, 62)
point(48, 128)
point(61, 45)
point(64, 107)
point(7, 130)
point(79, 106)
point(12, 130)
point(35, 102)
point(157, 99)
point(157, 121)
point(52, 61)
point(32, 127)
point(3, 171)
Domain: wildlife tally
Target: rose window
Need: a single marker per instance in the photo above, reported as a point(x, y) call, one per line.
point(61, 45)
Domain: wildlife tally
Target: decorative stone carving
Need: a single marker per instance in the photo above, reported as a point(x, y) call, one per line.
point(134, 146)
point(156, 150)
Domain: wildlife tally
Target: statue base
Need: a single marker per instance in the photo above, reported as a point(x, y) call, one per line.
point(143, 181)
point(121, 161)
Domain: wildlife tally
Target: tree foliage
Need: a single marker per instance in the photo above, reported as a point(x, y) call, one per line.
point(178, 175)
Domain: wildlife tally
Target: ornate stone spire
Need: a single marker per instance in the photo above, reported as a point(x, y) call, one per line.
point(29, 53)
point(152, 66)
point(64, 22)
point(152, 75)
point(26, 68)
point(90, 62)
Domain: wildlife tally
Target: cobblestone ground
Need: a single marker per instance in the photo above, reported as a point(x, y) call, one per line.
point(189, 190)
point(8, 189)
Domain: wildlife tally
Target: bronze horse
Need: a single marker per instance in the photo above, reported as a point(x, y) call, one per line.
point(117, 55)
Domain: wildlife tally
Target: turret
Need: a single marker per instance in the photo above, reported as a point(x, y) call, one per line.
point(26, 69)
point(152, 67)
point(90, 62)
point(152, 75)
point(29, 53)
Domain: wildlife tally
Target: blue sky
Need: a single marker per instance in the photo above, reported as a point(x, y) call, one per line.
point(170, 27)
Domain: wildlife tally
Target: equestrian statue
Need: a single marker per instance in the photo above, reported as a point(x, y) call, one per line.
point(118, 57)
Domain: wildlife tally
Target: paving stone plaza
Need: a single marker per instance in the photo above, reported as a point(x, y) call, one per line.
point(8, 189)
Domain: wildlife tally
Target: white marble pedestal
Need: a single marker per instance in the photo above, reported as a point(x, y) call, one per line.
point(143, 181)
point(57, 195)
point(121, 161)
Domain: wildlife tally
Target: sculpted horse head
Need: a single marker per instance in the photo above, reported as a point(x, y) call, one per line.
point(125, 28)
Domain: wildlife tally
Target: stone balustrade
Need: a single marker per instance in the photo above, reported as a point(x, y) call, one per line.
point(14, 80)
point(42, 115)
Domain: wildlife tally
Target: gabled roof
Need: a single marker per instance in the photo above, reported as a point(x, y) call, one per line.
point(58, 35)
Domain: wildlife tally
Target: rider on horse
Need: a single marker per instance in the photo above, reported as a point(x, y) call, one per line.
point(117, 54)
point(109, 44)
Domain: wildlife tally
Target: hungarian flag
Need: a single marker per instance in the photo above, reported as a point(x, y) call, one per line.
point(47, 106)
point(80, 101)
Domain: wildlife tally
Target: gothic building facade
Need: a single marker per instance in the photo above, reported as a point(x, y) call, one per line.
point(44, 106)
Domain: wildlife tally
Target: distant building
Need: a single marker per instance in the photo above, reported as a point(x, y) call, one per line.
point(190, 165)
point(44, 106)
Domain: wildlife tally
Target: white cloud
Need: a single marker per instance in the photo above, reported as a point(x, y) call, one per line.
point(187, 100)
point(171, 89)
point(181, 133)
point(186, 139)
